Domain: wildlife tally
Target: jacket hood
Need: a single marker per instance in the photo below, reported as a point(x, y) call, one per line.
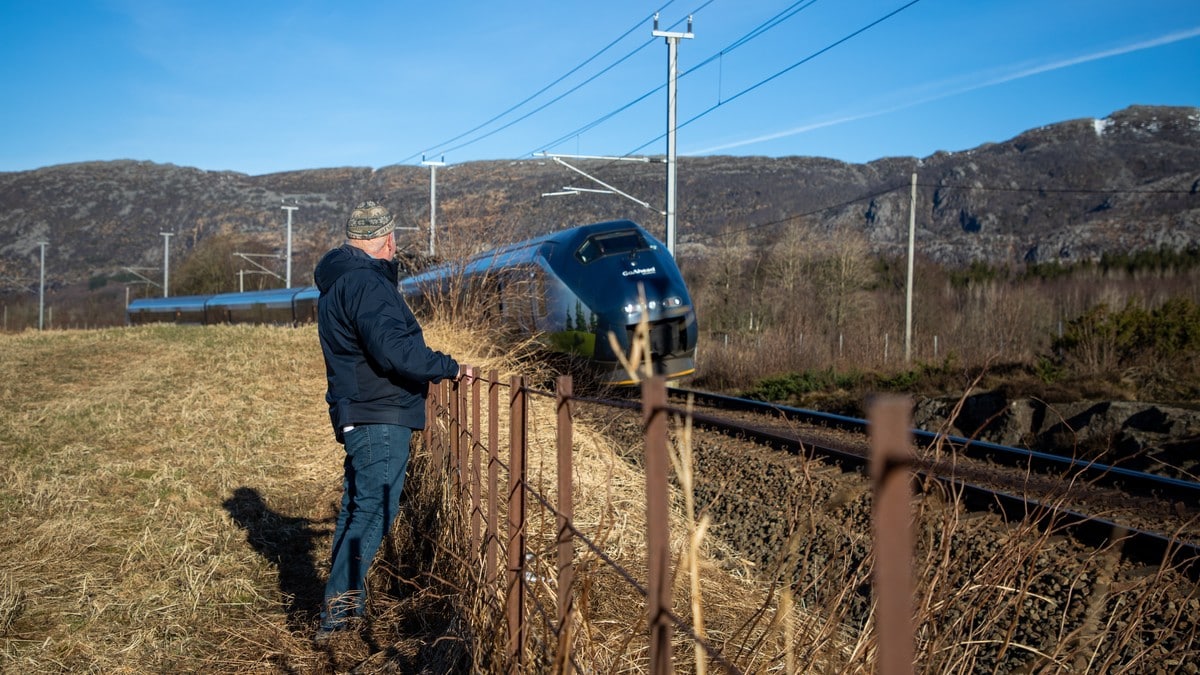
point(346, 258)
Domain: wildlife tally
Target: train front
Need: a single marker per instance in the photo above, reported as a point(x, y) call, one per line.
point(628, 286)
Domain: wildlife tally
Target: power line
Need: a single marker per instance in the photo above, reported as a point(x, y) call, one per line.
point(786, 70)
point(541, 91)
point(1102, 191)
point(880, 193)
point(797, 216)
point(755, 32)
point(571, 91)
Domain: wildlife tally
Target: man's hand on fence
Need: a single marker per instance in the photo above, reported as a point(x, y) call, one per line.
point(466, 375)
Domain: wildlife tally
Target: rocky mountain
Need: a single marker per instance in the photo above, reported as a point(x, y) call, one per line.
point(1068, 191)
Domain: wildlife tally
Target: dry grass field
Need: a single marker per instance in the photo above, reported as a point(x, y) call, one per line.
point(169, 494)
point(123, 449)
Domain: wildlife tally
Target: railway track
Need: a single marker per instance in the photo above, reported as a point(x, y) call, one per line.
point(1049, 555)
point(1158, 517)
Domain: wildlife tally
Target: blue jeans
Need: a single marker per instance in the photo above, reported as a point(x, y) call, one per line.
point(376, 458)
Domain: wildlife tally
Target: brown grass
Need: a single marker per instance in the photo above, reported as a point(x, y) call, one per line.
point(169, 495)
point(170, 492)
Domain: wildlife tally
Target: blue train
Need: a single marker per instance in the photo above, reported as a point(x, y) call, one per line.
point(573, 288)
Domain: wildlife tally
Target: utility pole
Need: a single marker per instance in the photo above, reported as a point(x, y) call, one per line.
point(672, 39)
point(432, 196)
point(289, 209)
point(42, 288)
point(166, 261)
point(912, 227)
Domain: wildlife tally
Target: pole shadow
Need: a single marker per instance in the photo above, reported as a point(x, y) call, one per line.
point(287, 543)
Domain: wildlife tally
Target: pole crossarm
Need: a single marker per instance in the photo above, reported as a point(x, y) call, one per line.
point(15, 284)
point(610, 188)
point(249, 257)
point(134, 271)
point(572, 188)
point(643, 160)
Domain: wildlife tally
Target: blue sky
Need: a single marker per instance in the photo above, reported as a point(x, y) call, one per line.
point(259, 86)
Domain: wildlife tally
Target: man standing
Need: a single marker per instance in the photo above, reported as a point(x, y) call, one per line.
point(379, 369)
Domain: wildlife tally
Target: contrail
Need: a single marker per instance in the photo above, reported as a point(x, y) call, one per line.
point(1030, 71)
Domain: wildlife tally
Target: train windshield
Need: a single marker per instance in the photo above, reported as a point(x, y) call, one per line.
point(600, 245)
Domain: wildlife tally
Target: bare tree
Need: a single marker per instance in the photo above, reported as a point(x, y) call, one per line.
point(843, 275)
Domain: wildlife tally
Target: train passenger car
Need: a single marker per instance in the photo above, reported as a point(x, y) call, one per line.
point(179, 309)
point(282, 306)
point(272, 306)
point(575, 288)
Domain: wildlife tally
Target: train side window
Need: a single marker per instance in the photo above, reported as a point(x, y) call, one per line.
point(540, 291)
point(609, 243)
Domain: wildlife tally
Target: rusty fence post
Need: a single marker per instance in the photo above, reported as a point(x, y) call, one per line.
point(476, 473)
point(658, 598)
point(493, 526)
point(516, 526)
point(439, 437)
point(891, 458)
point(566, 516)
point(430, 416)
point(454, 433)
point(464, 444)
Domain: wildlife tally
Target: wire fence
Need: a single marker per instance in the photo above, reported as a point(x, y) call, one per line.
point(476, 461)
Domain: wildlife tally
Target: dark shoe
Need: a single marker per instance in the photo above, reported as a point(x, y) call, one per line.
point(327, 632)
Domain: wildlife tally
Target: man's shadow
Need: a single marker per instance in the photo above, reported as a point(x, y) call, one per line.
point(288, 544)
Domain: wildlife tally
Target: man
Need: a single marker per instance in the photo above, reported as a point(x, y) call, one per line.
point(379, 369)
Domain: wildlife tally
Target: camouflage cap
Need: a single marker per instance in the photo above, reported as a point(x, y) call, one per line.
point(369, 220)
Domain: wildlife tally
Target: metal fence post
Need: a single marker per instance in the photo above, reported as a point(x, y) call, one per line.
point(476, 468)
point(493, 527)
point(566, 516)
point(440, 437)
point(453, 430)
point(658, 599)
point(464, 440)
point(430, 416)
point(891, 457)
point(516, 526)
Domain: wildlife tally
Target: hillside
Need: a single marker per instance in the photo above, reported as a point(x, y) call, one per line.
point(1068, 191)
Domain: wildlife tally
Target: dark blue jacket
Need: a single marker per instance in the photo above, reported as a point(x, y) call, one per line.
point(376, 360)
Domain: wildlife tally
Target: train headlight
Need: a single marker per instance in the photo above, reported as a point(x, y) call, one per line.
point(665, 303)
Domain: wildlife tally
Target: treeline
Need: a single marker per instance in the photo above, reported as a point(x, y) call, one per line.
point(1165, 260)
point(816, 312)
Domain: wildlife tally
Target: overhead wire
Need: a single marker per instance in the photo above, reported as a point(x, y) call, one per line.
point(899, 186)
point(571, 90)
point(985, 188)
point(782, 72)
point(755, 32)
point(798, 216)
point(546, 88)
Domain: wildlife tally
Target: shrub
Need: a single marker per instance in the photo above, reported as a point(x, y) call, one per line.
point(1152, 347)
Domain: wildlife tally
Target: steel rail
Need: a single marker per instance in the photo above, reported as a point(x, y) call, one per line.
point(1126, 480)
point(1151, 548)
